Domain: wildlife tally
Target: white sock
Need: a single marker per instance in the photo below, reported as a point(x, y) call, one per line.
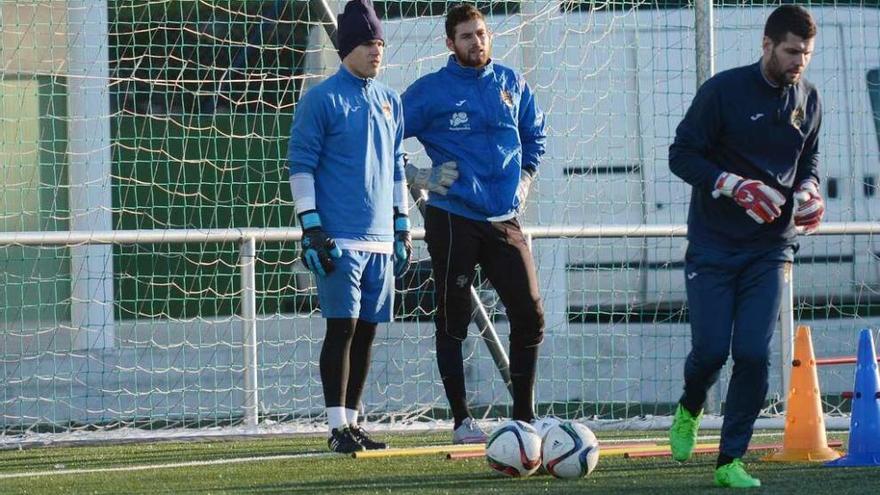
point(351, 416)
point(336, 418)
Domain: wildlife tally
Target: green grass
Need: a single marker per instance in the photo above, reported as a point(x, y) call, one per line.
point(338, 475)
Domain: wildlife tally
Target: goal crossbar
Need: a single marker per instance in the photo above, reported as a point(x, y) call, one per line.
point(67, 238)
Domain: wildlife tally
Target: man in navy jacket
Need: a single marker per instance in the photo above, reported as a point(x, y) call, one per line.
point(749, 146)
point(482, 116)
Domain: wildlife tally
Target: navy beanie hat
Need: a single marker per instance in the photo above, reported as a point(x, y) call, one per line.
point(357, 24)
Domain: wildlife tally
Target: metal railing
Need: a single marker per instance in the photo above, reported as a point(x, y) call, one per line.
point(248, 237)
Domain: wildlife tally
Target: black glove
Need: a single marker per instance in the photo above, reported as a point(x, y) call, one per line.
point(318, 250)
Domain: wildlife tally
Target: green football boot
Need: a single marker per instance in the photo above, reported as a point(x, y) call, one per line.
point(734, 475)
point(683, 434)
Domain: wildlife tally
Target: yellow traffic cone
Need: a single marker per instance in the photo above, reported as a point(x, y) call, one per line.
point(805, 438)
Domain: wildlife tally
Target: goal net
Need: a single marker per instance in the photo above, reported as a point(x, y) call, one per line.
point(154, 115)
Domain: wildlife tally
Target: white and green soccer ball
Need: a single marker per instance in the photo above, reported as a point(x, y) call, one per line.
point(543, 425)
point(570, 450)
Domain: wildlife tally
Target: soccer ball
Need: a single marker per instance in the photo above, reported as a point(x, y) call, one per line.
point(514, 449)
point(544, 424)
point(570, 450)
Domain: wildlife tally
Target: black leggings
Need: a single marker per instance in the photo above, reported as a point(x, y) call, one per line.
point(457, 245)
point(345, 361)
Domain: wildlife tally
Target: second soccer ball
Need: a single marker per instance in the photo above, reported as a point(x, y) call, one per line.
point(570, 450)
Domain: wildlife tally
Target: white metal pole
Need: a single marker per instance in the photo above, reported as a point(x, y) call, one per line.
point(491, 339)
point(528, 39)
point(786, 335)
point(705, 40)
point(249, 330)
point(550, 258)
point(91, 266)
point(276, 234)
point(704, 48)
point(323, 12)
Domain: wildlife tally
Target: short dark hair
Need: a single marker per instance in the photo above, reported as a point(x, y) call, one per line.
point(792, 19)
point(462, 12)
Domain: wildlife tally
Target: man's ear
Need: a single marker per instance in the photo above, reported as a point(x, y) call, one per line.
point(767, 45)
point(450, 44)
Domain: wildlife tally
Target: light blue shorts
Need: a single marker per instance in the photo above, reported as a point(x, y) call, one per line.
point(361, 287)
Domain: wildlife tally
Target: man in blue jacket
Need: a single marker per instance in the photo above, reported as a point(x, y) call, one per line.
point(347, 176)
point(749, 146)
point(482, 116)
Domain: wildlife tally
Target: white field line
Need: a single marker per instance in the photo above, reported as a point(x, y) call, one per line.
point(170, 465)
point(240, 460)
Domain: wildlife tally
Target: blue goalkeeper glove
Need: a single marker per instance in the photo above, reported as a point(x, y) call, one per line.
point(318, 250)
point(402, 243)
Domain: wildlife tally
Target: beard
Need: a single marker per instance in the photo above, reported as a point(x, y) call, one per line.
point(473, 57)
point(777, 74)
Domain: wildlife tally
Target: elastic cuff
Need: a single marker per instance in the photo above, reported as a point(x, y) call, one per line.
point(726, 184)
point(310, 220)
point(810, 180)
point(401, 221)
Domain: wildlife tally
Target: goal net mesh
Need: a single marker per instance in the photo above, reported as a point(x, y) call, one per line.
point(170, 114)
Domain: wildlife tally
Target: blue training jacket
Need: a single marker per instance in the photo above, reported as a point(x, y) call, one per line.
point(348, 133)
point(739, 123)
point(487, 121)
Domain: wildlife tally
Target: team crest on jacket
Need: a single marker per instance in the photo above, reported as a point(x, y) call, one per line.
point(797, 117)
point(386, 109)
point(507, 98)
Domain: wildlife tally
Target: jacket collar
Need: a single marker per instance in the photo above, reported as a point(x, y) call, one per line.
point(759, 75)
point(459, 70)
point(350, 78)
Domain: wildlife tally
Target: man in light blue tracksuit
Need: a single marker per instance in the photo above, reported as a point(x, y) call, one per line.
point(482, 116)
point(749, 146)
point(347, 176)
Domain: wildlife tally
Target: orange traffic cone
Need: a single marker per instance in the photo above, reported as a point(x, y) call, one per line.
point(805, 438)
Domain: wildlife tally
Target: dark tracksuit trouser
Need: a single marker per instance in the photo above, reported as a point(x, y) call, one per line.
point(456, 245)
point(733, 298)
